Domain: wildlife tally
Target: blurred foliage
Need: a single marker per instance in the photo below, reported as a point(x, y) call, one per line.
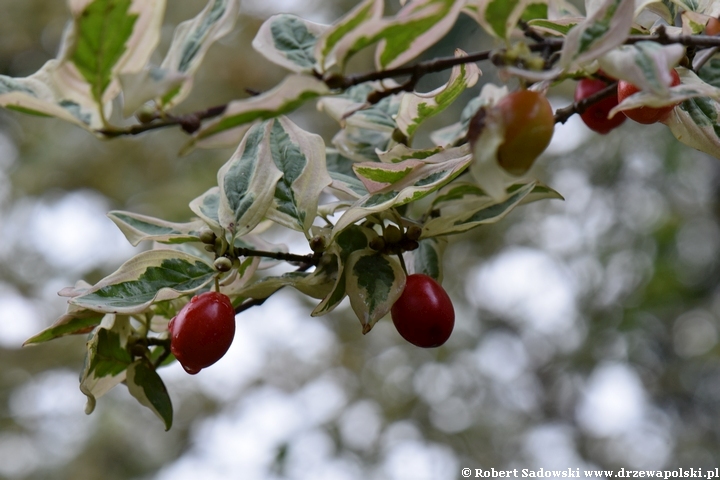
point(636, 243)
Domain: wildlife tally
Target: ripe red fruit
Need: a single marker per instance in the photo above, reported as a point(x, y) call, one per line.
point(712, 27)
point(645, 115)
point(424, 314)
point(201, 333)
point(529, 125)
point(596, 115)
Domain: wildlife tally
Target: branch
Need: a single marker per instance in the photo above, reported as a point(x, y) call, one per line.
point(562, 114)
point(256, 302)
point(309, 259)
point(189, 122)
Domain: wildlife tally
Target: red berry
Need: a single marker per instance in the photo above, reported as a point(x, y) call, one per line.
point(645, 115)
point(596, 115)
point(424, 314)
point(201, 333)
point(529, 125)
point(712, 27)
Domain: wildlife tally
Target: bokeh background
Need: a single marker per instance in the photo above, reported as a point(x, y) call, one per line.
point(586, 334)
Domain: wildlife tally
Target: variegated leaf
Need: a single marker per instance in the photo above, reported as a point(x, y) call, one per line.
point(138, 228)
point(437, 171)
point(76, 321)
point(171, 82)
point(300, 156)
point(696, 123)
point(427, 259)
point(247, 182)
point(463, 207)
point(289, 41)
point(417, 107)
point(691, 87)
point(286, 97)
point(645, 64)
point(499, 17)
point(106, 359)
point(344, 181)
point(352, 239)
point(417, 26)
point(206, 207)
point(365, 12)
point(147, 387)
point(149, 277)
point(606, 27)
point(374, 282)
point(109, 38)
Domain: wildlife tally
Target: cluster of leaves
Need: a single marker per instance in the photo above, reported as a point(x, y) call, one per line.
point(347, 197)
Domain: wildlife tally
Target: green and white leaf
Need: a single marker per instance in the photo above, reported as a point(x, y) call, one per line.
point(416, 27)
point(45, 93)
point(696, 123)
point(75, 321)
point(437, 171)
point(344, 181)
point(707, 7)
point(500, 17)
point(315, 284)
point(106, 359)
point(691, 87)
point(248, 181)
point(352, 239)
point(147, 387)
point(559, 27)
point(206, 207)
point(402, 152)
point(417, 107)
point(289, 41)
point(285, 98)
point(448, 136)
point(365, 12)
point(191, 41)
point(138, 228)
point(109, 38)
point(462, 207)
point(374, 282)
point(300, 156)
point(171, 82)
point(645, 64)
point(606, 27)
point(366, 131)
point(376, 176)
point(149, 277)
point(427, 259)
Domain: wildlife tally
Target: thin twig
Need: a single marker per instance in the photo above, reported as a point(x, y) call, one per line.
point(562, 114)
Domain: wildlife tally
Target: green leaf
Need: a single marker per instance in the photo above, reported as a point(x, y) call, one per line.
point(560, 26)
point(294, 91)
point(247, 182)
point(300, 156)
point(710, 73)
point(415, 108)
point(110, 357)
point(148, 388)
point(374, 282)
point(151, 276)
point(289, 41)
point(138, 228)
point(102, 31)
